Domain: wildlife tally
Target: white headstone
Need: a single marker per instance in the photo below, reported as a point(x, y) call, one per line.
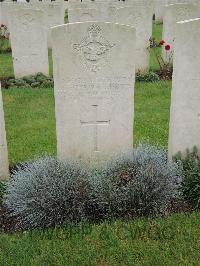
point(83, 14)
point(140, 17)
point(173, 14)
point(80, 4)
point(94, 74)
point(9, 6)
point(160, 5)
point(65, 4)
point(28, 42)
point(185, 104)
point(3, 12)
point(159, 10)
point(94, 11)
point(53, 15)
point(4, 165)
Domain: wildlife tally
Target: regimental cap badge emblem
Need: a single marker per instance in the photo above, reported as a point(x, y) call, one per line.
point(93, 48)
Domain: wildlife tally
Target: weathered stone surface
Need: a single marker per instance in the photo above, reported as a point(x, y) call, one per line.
point(4, 165)
point(185, 109)
point(53, 15)
point(159, 10)
point(160, 5)
point(172, 14)
point(29, 42)
point(3, 12)
point(84, 14)
point(94, 74)
point(140, 17)
point(94, 11)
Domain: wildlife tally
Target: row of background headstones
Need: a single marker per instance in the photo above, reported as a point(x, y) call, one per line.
point(158, 4)
point(184, 37)
point(159, 7)
point(139, 16)
point(53, 12)
point(30, 34)
point(183, 128)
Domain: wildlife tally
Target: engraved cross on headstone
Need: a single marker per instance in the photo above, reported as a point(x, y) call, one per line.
point(96, 123)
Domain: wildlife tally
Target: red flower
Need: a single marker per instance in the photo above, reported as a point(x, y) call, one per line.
point(167, 47)
point(161, 42)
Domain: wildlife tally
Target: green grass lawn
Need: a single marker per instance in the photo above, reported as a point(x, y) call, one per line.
point(157, 31)
point(30, 119)
point(171, 241)
point(6, 65)
point(157, 34)
point(30, 123)
point(152, 108)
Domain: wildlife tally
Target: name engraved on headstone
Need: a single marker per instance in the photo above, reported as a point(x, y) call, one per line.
point(105, 87)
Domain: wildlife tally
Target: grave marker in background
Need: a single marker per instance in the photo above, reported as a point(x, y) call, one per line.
point(92, 11)
point(28, 42)
point(159, 10)
point(139, 16)
point(54, 13)
point(4, 165)
point(173, 14)
point(185, 108)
